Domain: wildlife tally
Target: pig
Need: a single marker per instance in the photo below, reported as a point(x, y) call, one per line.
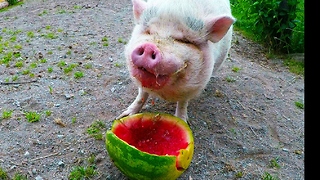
point(175, 47)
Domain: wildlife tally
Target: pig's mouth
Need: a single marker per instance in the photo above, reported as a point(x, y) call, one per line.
point(149, 79)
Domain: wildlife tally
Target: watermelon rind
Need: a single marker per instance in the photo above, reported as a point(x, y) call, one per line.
point(139, 165)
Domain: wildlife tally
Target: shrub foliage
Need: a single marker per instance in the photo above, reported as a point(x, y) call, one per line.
point(277, 23)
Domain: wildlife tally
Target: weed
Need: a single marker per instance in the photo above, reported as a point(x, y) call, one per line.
point(60, 30)
point(48, 113)
point(19, 64)
point(91, 159)
point(48, 27)
point(69, 68)
point(16, 54)
point(299, 104)
point(15, 78)
point(230, 79)
point(50, 89)
point(33, 65)
point(13, 38)
point(32, 116)
point(104, 39)
point(274, 163)
point(30, 34)
point(50, 35)
point(25, 72)
point(80, 172)
point(62, 63)
point(62, 11)
point(50, 69)
point(18, 176)
point(3, 174)
point(43, 60)
point(49, 52)
point(120, 40)
point(73, 120)
point(76, 7)
point(239, 174)
point(43, 13)
point(78, 74)
point(267, 176)
point(294, 66)
point(18, 47)
point(68, 52)
point(7, 114)
point(95, 129)
point(117, 64)
point(88, 66)
point(235, 69)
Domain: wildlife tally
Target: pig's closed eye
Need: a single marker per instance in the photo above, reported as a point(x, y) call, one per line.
point(185, 41)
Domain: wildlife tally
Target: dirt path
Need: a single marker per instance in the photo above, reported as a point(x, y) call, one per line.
point(242, 122)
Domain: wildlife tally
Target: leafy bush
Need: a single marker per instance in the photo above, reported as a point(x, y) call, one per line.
point(12, 2)
point(277, 23)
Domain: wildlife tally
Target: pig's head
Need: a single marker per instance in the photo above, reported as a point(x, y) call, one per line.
point(168, 50)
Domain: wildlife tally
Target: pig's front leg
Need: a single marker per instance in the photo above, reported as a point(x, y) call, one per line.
point(137, 104)
point(181, 110)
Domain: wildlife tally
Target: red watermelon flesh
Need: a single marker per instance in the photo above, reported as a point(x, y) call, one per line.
point(158, 137)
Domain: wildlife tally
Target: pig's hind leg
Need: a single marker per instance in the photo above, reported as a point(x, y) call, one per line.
point(136, 105)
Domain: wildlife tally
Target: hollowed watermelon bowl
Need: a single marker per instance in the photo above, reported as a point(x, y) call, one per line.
point(150, 146)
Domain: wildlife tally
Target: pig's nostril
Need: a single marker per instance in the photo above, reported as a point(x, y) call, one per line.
point(140, 51)
point(153, 56)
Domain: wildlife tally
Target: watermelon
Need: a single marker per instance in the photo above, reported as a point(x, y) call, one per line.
point(150, 146)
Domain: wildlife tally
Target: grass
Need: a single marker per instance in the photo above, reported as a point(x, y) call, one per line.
point(268, 176)
point(294, 66)
point(18, 176)
point(3, 174)
point(274, 163)
point(78, 74)
point(6, 114)
point(84, 172)
point(32, 116)
point(95, 129)
point(299, 104)
point(235, 69)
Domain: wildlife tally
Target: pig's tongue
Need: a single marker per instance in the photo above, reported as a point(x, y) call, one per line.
point(149, 79)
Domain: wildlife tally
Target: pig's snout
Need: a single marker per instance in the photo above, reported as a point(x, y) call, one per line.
point(146, 56)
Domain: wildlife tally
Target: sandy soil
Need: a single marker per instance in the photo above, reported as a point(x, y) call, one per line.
point(241, 122)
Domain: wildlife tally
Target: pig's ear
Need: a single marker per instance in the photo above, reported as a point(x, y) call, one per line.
point(217, 27)
point(138, 7)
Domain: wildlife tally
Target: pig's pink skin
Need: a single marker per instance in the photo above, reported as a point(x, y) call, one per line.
point(190, 40)
point(150, 68)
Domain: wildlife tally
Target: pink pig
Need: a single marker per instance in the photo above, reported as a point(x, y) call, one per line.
point(175, 47)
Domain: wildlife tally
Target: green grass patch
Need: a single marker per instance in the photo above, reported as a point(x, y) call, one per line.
point(78, 74)
point(299, 104)
point(6, 114)
point(268, 176)
point(95, 130)
point(32, 116)
point(296, 67)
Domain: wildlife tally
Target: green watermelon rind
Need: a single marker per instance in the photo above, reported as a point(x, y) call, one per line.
point(138, 165)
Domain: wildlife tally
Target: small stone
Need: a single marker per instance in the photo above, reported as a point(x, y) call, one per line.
point(39, 178)
point(69, 96)
point(61, 163)
point(27, 154)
